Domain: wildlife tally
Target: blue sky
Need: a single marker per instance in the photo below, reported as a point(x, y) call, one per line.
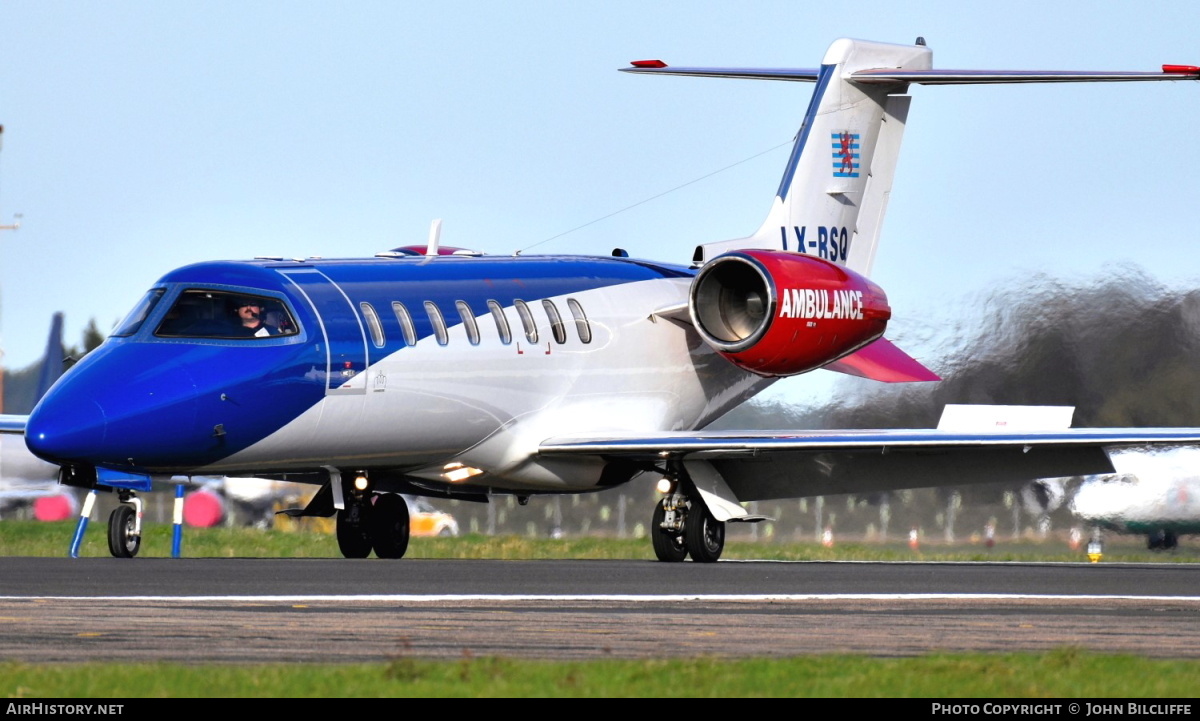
point(141, 136)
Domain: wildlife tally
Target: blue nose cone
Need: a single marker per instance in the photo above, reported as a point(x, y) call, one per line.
point(123, 406)
point(67, 427)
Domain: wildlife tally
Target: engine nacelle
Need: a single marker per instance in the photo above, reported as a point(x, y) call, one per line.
point(778, 313)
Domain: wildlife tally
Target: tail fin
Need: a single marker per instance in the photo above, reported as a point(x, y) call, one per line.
point(52, 362)
point(835, 188)
point(836, 185)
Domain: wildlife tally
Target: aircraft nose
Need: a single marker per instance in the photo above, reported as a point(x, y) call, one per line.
point(120, 406)
point(63, 429)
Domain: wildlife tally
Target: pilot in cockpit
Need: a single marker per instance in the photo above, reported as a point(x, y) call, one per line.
point(250, 317)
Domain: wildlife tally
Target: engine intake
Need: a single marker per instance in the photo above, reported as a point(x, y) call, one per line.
point(778, 313)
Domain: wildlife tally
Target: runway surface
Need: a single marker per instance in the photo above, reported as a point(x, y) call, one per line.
point(340, 610)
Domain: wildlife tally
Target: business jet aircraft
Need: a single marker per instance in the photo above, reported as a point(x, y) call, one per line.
point(462, 375)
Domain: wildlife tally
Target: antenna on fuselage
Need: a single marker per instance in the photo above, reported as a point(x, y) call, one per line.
point(435, 237)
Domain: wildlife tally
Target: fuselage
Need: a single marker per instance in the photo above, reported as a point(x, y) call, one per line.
point(1153, 491)
point(409, 364)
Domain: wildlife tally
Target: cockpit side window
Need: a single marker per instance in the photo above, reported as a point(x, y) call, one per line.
point(200, 313)
point(138, 315)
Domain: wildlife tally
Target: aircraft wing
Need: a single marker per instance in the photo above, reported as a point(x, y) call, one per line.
point(23, 476)
point(763, 465)
point(13, 424)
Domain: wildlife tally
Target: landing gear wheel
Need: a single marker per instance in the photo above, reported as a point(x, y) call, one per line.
point(352, 537)
point(389, 526)
point(668, 546)
point(705, 535)
point(1161, 540)
point(122, 541)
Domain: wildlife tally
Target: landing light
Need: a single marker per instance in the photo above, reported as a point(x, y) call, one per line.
point(361, 482)
point(664, 485)
point(456, 472)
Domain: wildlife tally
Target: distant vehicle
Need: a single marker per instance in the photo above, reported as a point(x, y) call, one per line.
point(425, 520)
point(1154, 492)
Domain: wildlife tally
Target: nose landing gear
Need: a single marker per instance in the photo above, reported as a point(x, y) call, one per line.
point(125, 527)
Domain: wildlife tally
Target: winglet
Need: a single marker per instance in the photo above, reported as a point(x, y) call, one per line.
point(883, 361)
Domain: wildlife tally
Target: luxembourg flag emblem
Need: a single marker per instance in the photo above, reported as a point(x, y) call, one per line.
point(845, 154)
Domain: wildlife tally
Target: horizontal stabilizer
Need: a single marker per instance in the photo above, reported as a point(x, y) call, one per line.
point(933, 77)
point(883, 361)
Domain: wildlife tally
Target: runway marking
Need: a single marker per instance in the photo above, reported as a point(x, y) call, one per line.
point(642, 598)
point(1075, 564)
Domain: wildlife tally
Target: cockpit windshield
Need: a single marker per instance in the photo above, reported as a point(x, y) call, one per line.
point(137, 316)
point(200, 313)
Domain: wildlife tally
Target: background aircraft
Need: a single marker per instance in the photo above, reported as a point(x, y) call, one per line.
point(256, 502)
point(1155, 492)
point(27, 481)
point(464, 376)
point(240, 501)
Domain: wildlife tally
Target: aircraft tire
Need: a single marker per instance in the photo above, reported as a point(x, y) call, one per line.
point(122, 543)
point(667, 546)
point(389, 526)
point(1170, 540)
point(1161, 540)
point(705, 535)
point(353, 540)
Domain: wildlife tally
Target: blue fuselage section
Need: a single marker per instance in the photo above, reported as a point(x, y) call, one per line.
point(386, 362)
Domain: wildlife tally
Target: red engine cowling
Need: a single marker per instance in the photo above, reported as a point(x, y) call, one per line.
point(778, 313)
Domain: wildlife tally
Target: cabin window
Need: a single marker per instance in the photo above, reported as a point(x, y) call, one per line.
point(526, 320)
point(199, 313)
point(137, 316)
point(582, 327)
point(501, 322)
point(407, 329)
point(556, 323)
point(373, 324)
point(439, 323)
point(468, 319)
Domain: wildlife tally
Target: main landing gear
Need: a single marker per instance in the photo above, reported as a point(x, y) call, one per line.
point(682, 525)
point(125, 527)
point(375, 521)
point(1161, 540)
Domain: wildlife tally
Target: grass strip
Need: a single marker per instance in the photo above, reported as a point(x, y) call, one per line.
point(1064, 673)
point(32, 538)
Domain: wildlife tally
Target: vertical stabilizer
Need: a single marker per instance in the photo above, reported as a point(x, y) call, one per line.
point(835, 187)
point(52, 362)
